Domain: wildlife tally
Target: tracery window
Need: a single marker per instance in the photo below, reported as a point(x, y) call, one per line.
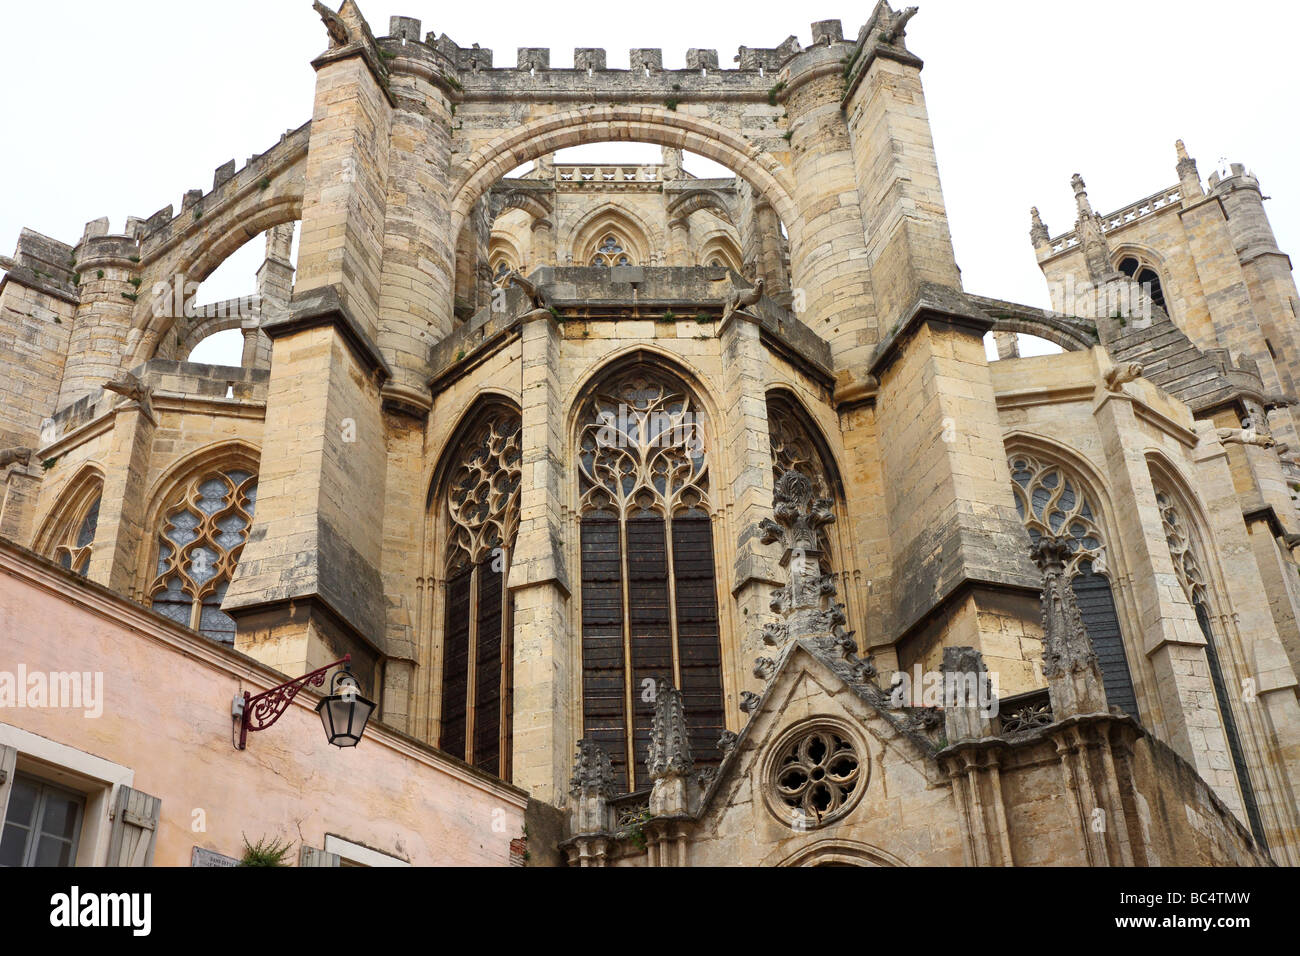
point(482, 518)
point(1145, 275)
point(199, 542)
point(1052, 502)
point(74, 537)
point(794, 449)
point(611, 253)
point(817, 775)
point(1183, 551)
point(502, 270)
point(649, 596)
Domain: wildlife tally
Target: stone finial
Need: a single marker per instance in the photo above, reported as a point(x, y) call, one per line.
point(968, 695)
point(589, 58)
point(1038, 233)
point(1189, 177)
point(646, 60)
point(1069, 661)
point(1081, 195)
point(826, 32)
point(701, 59)
point(591, 789)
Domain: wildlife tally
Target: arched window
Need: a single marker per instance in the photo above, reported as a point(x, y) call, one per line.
point(1052, 502)
point(1145, 275)
point(480, 505)
point(202, 534)
point(1184, 552)
point(794, 448)
point(611, 252)
point(502, 270)
point(649, 596)
point(72, 537)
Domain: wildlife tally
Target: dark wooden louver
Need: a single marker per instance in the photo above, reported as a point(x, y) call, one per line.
point(1097, 608)
point(487, 671)
point(602, 639)
point(455, 663)
point(697, 634)
point(649, 625)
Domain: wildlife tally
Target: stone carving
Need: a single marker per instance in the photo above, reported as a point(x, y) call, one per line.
point(764, 667)
point(1245, 436)
point(670, 747)
point(775, 633)
point(727, 742)
point(894, 26)
point(1117, 375)
point(749, 701)
point(537, 293)
point(1038, 233)
point(593, 774)
point(800, 518)
point(741, 300)
point(10, 456)
point(130, 387)
point(337, 28)
point(1069, 661)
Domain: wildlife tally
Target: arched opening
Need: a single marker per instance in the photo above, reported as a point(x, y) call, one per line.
point(69, 534)
point(997, 346)
point(474, 519)
point(648, 579)
point(220, 348)
point(1144, 273)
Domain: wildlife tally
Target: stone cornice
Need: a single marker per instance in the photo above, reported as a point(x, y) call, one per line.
point(324, 306)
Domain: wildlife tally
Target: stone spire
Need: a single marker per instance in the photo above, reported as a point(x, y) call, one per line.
point(669, 759)
point(799, 519)
point(1096, 250)
point(1188, 175)
point(1069, 661)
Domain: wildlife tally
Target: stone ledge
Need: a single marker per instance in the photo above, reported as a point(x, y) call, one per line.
point(324, 306)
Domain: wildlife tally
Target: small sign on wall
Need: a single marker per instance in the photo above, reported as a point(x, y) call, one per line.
point(202, 857)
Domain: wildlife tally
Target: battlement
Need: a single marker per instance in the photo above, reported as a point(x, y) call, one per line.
point(590, 60)
point(1235, 177)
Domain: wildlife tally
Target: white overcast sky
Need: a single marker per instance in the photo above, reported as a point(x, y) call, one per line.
point(117, 108)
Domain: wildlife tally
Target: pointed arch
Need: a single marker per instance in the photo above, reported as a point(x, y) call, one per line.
point(648, 587)
point(198, 520)
point(639, 240)
point(68, 533)
point(723, 248)
point(471, 522)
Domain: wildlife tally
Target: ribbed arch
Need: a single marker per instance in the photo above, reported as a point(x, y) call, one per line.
point(68, 535)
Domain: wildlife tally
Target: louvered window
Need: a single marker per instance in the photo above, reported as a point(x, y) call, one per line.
point(482, 518)
point(649, 594)
point(1050, 501)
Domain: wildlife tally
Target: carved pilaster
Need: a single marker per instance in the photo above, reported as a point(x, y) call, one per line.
point(1069, 661)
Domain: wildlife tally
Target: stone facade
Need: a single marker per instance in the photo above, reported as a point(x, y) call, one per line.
point(408, 467)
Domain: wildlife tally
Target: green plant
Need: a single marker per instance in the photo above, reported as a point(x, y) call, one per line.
point(99, 273)
point(48, 463)
point(774, 92)
point(669, 315)
point(556, 313)
point(265, 852)
point(460, 355)
point(387, 55)
point(57, 320)
point(635, 829)
point(676, 86)
point(76, 278)
point(134, 258)
point(135, 281)
point(787, 134)
point(702, 318)
point(264, 183)
point(198, 214)
point(131, 295)
point(671, 102)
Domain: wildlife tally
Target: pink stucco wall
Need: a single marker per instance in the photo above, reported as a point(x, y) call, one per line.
point(166, 716)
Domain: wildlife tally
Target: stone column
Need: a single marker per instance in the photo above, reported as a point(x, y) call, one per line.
point(543, 243)
point(679, 242)
point(308, 587)
point(274, 290)
point(828, 255)
point(103, 318)
point(120, 536)
point(545, 724)
point(771, 265)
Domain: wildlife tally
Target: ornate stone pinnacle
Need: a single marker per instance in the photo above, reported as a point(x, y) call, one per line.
point(1038, 233)
point(593, 774)
point(670, 746)
point(799, 518)
point(1069, 661)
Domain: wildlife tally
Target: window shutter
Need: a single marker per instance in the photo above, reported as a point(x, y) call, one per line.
point(455, 664)
point(650, 626)
point(602, 639)
point(487, 671)
point(8, 761)
point(697, 634)
point(135, 828)
point(310, 856)
point(1100, 620)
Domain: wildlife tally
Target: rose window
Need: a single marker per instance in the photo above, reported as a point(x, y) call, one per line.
point(817, 775)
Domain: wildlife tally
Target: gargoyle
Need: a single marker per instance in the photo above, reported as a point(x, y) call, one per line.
point(536, 293)
point(1244, 436)
point(741, 299)
point(133, 389)
point(9, 456)
point(1117, 375)
point(749, 701)
point(894, 27)
point(335, 25)
point(764, 668)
